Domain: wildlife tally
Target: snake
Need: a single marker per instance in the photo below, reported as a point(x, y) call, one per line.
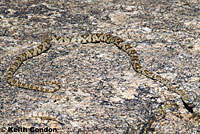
point(49, 39)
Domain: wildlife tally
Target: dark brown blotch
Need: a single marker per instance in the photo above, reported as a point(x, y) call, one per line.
point(31, 51)
point(119, 40)
point(24, 55)
point(40, 47)
point(23, 84)
point(19, 59)
point(48, 41)
point(85, 36)
point(133, 51)
point(137, 66)
point(14, 81)
point(31, 86)
point(10, 69)
point(147, 72)
point(127, 46)
point(16, 64)
point(135, 58)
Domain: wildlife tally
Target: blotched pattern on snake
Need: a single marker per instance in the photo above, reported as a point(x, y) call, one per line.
point(89, 38)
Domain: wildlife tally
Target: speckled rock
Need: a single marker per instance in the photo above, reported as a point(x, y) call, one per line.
point(101, 93)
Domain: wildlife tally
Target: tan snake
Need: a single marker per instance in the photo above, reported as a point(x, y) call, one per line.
point(89, 38)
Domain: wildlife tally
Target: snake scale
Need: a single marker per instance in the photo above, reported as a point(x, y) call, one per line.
point(89, 38)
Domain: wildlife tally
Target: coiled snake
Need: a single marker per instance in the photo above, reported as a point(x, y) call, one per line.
point(90, 38)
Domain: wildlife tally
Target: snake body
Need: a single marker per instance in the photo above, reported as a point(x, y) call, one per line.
point(85, 38)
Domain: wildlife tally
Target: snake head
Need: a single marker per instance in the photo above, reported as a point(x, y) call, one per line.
point(189, 100)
